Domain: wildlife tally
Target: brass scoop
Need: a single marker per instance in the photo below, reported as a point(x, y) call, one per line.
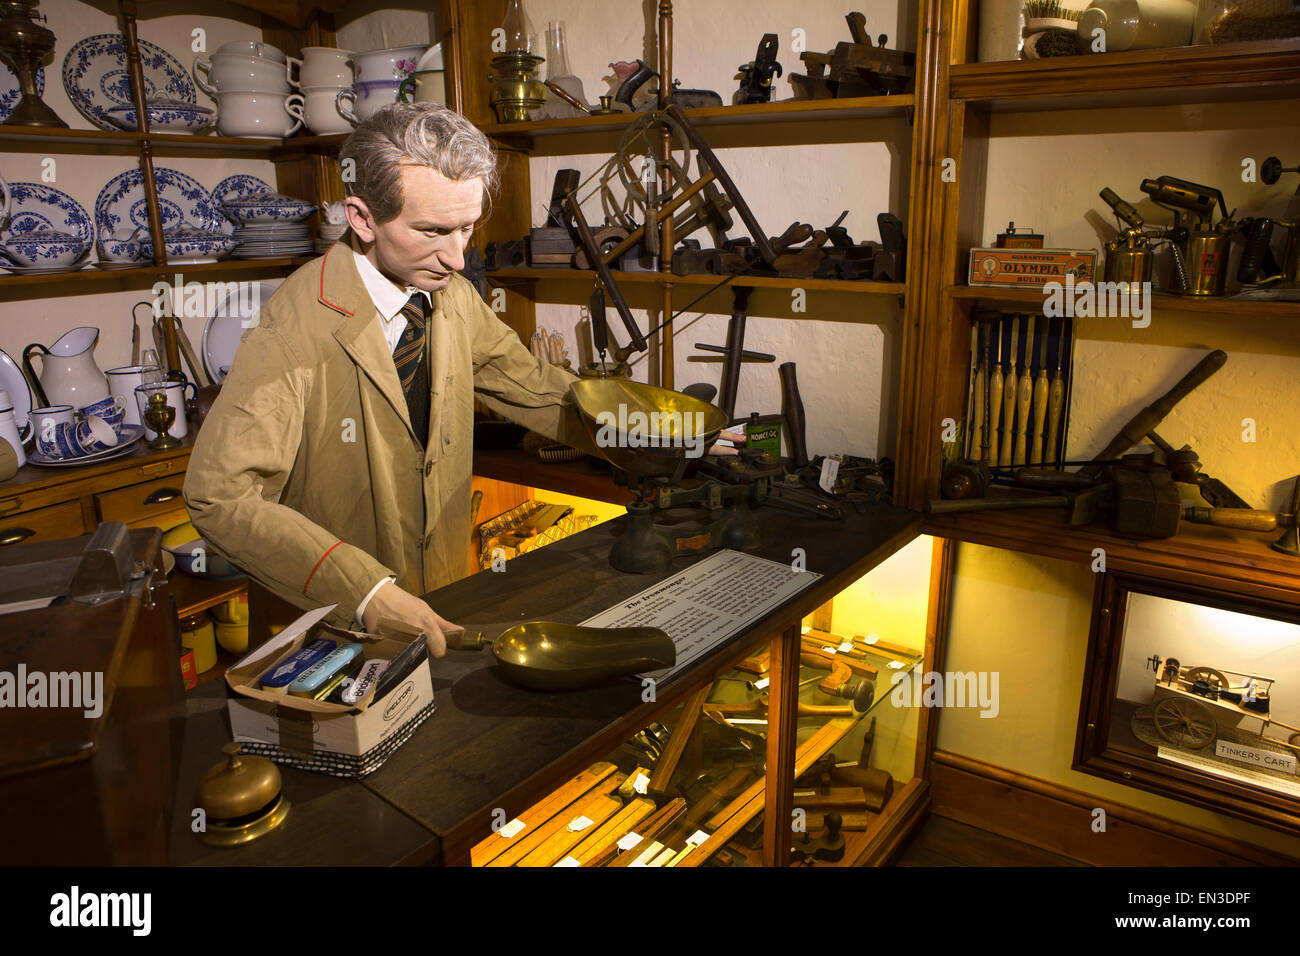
point(546, 655)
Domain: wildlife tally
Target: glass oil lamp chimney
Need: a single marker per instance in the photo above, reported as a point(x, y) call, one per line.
point(24, 43)
point(515, 90)
point(558, 74)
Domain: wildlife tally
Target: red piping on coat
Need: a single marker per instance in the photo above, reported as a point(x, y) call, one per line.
point(337, 308)
point(318, 564)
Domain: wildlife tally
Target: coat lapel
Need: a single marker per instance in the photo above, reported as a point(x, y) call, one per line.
point(359, 333)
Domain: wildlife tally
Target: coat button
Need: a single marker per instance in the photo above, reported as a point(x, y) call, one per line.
point(428, 468)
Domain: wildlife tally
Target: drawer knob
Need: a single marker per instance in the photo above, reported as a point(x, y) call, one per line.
point(159, 495)
point(14, 535)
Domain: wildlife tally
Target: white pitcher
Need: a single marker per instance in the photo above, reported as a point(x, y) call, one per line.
point(69, 375)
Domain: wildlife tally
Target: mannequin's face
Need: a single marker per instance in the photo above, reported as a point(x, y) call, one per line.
point(427, 240)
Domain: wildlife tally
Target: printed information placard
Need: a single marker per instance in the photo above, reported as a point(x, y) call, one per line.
point(710, 601)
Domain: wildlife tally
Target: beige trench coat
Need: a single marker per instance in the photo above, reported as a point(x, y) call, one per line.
point(306, 472)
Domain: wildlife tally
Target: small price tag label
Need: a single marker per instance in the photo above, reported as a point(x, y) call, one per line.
point(641, 784)
point(697, 838)
point(630, 840)
point(512, 828)
point(831, 650)
point(578, 824)
point(762, 684)
point(846, 646)
point(869, 639)
point(896, 665)
point(568, 861)
point(830, 471)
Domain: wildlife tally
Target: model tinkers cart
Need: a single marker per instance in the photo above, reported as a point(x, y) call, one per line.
point(1191, 703)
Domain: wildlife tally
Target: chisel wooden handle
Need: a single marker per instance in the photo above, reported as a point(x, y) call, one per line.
point(1008, 418)
point(1024, 393)
point(1243, 519)
point(1055, 401)
point(938, 506)
point(995, 411)
point(1040, 417)
point(978, 443)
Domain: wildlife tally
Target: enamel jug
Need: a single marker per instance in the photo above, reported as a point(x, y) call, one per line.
point(69, 375)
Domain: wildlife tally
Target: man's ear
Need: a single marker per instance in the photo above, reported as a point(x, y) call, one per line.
point(359, 218)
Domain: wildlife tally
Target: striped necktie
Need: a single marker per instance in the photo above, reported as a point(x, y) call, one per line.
point(410, 347)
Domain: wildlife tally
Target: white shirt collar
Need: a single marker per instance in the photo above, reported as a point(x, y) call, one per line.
point(388, 297)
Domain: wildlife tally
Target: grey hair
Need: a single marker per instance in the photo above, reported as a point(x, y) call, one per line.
point(414, 134)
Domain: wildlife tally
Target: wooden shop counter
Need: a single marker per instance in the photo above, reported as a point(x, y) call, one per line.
point(492, 745)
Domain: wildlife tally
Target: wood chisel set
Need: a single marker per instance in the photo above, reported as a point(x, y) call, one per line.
point(1019, 389)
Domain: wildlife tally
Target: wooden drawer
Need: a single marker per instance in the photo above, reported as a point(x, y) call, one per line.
point(157, 502)
point(43, 524)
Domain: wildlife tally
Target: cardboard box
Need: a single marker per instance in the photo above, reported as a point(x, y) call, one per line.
point(313, 735)
point(1029, 268)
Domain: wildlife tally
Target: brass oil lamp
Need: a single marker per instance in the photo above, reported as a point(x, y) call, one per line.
point(24, 43)
point(515, 90)
point(160, 417)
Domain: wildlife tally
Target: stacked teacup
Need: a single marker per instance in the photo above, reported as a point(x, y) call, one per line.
point(322, 73)
point(380, 75)
point(250, 82)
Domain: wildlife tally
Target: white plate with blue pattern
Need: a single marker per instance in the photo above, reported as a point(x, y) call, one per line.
point(182, 203)
point(96, 78)
point(37, 207)
point(10, 94)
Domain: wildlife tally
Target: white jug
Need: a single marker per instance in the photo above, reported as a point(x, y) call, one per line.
point(69, 375)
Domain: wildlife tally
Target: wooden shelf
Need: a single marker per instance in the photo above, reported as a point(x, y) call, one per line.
point(1200, 554)
point(1193, 74)
point(783, 111)
point(1212, 305)
point(659, 278)
point(580, 478)
point(91, 280)
point(198, 594)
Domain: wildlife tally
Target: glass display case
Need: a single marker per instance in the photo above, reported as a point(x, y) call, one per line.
point(691, 788)
point(1195, 694)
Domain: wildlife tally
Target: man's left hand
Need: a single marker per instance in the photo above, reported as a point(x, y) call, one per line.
point(737, 437)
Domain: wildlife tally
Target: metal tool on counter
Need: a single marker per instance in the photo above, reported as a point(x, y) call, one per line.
point(756, 76)
point(792, 412)
point(1200, 260)
point(1130, 256)
point(550, 656)
point(241, 798)
point(104, 571)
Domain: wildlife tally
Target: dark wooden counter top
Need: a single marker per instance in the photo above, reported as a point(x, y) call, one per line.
point(492, 745)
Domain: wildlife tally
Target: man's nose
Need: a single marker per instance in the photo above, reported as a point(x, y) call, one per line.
point(453, 254)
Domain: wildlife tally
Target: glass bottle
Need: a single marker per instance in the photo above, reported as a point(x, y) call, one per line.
point(557, 72)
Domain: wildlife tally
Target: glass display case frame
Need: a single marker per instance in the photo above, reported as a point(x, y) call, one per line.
point(1107, 746)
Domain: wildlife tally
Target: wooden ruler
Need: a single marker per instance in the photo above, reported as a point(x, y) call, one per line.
point(557, 846)
point(650, 830)
point(540, 834)
point(613, 830)
point(488, 850)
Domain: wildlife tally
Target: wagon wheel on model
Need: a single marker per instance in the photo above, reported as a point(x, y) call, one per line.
point(1294, 741)
point(1208, 674)
point(1184, 723)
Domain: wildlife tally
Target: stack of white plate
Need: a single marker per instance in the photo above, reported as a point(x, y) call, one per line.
point(266, 240)
point(328, 234)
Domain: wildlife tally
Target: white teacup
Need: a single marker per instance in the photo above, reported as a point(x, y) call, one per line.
point(391, 64)
point(320, 114)
point(251, 48)
point(364, 100)
point(258, 115)
point(231, 73)
point(321, 66)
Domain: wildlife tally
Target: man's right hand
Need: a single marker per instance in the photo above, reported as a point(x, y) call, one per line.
point(392, 601)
